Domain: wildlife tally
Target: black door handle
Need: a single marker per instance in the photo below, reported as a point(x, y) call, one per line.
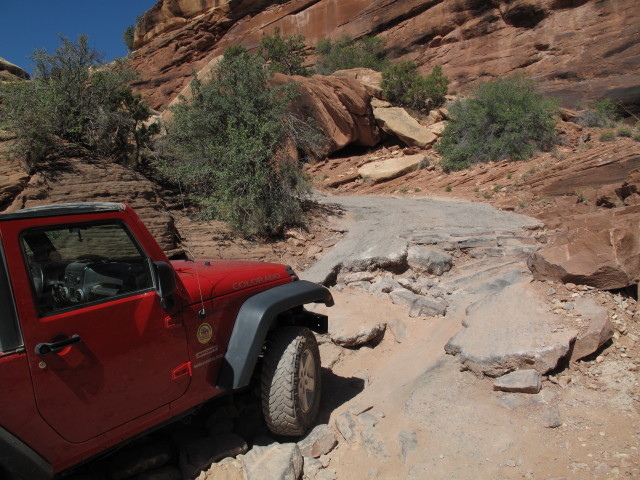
point(46, 348)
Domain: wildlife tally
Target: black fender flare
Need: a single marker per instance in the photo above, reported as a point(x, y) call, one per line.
point(255, 318)
point(18, 458)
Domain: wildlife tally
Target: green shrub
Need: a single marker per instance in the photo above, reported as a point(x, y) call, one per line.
point(366, 52)
point(448, 187)
point(506, 119)
point(127, 36)
point(229, 146)
point(607, 136)
point(624, 131)
point(283, 54)
point(74, 97)
point(602, 113)
point(403, 85)
point(636, 137)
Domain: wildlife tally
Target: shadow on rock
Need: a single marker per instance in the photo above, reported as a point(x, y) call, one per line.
point(337, 391)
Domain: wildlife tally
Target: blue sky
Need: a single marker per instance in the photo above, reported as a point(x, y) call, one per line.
point(26, 25)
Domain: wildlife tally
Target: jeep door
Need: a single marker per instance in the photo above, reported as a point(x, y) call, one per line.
point(102, 351)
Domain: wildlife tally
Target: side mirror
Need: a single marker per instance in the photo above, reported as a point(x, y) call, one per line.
point(165, 280)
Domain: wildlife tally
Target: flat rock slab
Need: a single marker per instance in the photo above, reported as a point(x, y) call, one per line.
point(510, 330)
point(379, 230)
point(520, 381)
point(383, 170)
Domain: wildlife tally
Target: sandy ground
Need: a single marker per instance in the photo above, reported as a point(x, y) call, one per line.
point(464, 429)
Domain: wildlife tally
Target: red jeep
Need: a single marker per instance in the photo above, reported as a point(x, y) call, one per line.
point(102, 338)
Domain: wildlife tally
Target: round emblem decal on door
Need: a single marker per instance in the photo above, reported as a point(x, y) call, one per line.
point(205, 332)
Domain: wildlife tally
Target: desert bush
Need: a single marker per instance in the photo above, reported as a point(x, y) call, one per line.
point(73, 97)
point(230, 143)
point(403, 85)
point(366, 52)
point(602, 113)
point(506, 119)
point(607, 136)
point(624, 131)
point(284, 54)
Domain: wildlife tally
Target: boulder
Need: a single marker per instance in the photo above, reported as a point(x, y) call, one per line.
point(520, 381)
point(599, 332)
point(355, 338)
point(437, 128)
point(383, 170)
point(320, 441)
point(339, 107)
point(429, 260)
point(604, 252)
point(397, 122)
point(510, 330)
point(274, 462)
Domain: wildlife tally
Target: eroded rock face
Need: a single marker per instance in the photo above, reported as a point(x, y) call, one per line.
point(82, 180)
point(604, 251)
point(574, 47)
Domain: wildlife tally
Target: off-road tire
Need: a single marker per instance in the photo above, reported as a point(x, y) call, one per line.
point(290, 353)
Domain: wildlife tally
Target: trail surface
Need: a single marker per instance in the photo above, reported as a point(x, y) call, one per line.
point(406, 409)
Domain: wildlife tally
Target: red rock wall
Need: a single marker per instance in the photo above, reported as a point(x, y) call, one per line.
point(576, 49)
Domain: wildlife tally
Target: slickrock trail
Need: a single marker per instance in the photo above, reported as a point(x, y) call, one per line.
point(443, 275)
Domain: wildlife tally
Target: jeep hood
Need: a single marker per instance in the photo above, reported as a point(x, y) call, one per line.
point(216, 278)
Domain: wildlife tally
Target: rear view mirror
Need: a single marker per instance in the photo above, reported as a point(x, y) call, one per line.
point(165, 281)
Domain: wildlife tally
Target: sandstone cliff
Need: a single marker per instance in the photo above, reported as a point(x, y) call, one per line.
point(577, 49)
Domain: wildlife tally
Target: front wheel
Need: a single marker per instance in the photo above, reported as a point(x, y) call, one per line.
point(291, 381)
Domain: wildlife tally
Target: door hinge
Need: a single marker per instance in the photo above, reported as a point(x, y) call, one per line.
point(181, 371)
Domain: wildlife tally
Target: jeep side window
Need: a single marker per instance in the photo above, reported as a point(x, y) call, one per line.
point(75, 265)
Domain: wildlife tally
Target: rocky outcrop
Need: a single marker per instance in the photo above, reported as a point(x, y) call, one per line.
point(83, 180)
point(367, 77)
point(601, 249)
point(10, 72)
point(339, 107)
point(573, 47)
